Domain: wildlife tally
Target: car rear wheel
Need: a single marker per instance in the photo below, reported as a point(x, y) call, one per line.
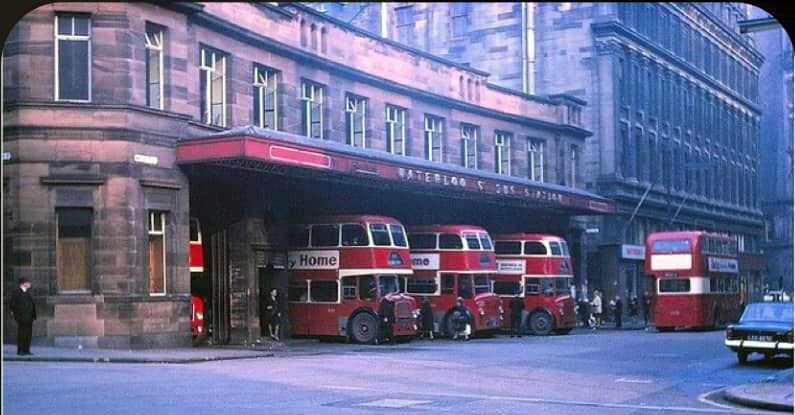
point(742, 357)
point(540, 323)
point(364, 328)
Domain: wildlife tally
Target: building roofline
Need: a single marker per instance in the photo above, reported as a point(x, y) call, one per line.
point(352, 28)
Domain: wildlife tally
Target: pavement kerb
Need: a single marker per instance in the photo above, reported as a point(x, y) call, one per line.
point(735, 394)
point(132, 359)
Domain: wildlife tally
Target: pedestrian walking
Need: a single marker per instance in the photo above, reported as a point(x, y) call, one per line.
point(633, 308)
point(573, 291)
point(386, 313)
point(517, 305)
point(461, 320)
point(274, 314)
point(23, 310)
point(646, 305)
point(596, 307)
point(619, 309)
point(427, 318)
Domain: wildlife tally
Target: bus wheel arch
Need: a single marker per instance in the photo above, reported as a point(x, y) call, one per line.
point(540, 322)
point(363, 327)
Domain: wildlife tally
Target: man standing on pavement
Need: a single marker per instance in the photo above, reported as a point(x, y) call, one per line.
point(517, 305)
point(646, 305)
point(24, 311)
point(619, 311)
point(596, 307)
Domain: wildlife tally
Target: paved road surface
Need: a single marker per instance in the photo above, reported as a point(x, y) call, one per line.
point(586, 372)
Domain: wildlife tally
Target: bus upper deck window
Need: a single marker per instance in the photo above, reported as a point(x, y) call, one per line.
point(450, 241)
point(325, 236)
point(422, 241)
point(554, 247)
point(534, 248)
point(508, 247)
point(298, 236)
point(398, 235)
point(354, 235)
point(380, 234)
point(485, 240)
point(472, 240)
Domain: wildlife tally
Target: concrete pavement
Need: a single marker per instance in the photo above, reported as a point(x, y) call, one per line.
point(775, 393)
point(181, 355)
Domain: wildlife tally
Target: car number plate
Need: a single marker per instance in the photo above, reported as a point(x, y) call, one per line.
point(760, 338)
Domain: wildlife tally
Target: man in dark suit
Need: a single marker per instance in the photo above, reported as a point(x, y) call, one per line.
point(24, 311)
point(516, 305)
point(386, 312)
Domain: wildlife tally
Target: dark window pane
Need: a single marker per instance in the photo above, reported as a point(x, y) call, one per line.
point(421, 286)
point(380, 234)
point(64, 25)
point(81, 25)
point(447, 284)
point(74, 223)
point(349, 288)
point(297, 291)
point(507, 247)
point(534, 248)
point(398, 236)
point(325, 235)
point(450, 241)
point(73, 69)
point(367, 288)
point(532, 286)
point(422, 241)
point(485, 241)
point(323, 291)
point(675, 286)
point(555, 248)
point(507, 287)
point(472, 240)
point(482, 284)
point(465, 285)
point(194, 230)
point(354, 235)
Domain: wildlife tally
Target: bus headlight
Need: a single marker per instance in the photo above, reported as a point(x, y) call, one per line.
point(501, 310)
point(416, 313)
point(199, 316)
point(481, 311)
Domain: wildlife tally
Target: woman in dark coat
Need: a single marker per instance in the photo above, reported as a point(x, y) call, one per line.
point(273, 313)
point(427, 318)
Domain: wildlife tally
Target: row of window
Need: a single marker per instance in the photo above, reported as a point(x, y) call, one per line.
point(719, 247)
point(333, 236)
point(74, 248)
point(531, 248)
point(73, 83)
point(364, 287)
point(684, 108)
point(534, 286)
point(470, 240)
point(689, 43)
point(679, 166)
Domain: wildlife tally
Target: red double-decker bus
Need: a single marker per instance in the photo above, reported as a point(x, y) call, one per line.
point(339, 269)
point(537, 267)
point(196, 264)
point(696, 279)
point(452, 261)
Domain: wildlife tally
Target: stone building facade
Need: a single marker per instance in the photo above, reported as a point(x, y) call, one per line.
point(673, 93)
point(775, 154)
point(97, 97)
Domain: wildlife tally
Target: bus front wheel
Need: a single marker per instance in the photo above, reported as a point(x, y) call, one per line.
point(364, 328)
point(540, 323)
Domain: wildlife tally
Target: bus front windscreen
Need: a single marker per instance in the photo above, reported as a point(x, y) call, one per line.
point(482, 285)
